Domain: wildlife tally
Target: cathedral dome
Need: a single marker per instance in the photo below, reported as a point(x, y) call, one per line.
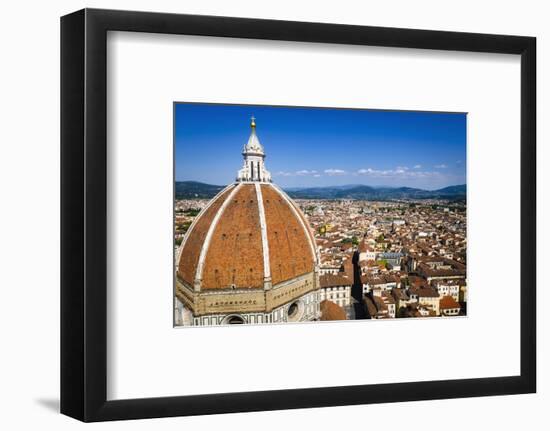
point(251, 235)
point(249, 256)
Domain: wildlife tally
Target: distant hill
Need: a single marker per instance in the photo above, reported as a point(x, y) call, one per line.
point(194, 189)
point(378, 193)
point(454, 189)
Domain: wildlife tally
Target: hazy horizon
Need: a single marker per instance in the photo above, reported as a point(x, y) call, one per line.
point(376, 186)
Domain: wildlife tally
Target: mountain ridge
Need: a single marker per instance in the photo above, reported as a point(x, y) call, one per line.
point(196, 190)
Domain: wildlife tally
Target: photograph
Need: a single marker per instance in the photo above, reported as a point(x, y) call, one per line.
point(288, 214)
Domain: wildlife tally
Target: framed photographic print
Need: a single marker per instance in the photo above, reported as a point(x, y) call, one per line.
point(246, 203)
point(324, 249)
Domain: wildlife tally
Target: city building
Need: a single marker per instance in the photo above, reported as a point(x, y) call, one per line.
point(336, 288)
point(379, 283)
point(427, 297)
point(438, 268)
point(448, 288)
point(448, 306)
point(385, 306)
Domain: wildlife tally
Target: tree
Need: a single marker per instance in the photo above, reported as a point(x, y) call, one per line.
point(192, 211)
point(383, 262)
point(183, 227)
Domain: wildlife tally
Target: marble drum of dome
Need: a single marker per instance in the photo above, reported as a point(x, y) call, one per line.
point(249, 256)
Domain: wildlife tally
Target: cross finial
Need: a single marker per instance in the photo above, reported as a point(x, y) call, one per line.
point(252, 122)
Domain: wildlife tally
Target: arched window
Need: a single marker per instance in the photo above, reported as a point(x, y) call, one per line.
point(233, 320)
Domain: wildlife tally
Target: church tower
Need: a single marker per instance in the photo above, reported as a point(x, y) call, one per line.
point(253, 153)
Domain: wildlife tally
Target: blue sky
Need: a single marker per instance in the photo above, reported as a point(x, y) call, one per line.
point(308, 147)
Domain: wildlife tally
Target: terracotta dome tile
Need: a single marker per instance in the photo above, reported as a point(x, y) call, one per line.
point(289, 245)
point(189, 258)
point(234, 256)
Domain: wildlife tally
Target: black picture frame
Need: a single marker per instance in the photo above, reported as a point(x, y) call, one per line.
point(84, 214)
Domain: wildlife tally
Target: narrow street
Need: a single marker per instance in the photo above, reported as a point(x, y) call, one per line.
point(357, 290)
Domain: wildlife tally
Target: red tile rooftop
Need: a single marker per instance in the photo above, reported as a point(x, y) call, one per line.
point(448, 302)
point(332, 311)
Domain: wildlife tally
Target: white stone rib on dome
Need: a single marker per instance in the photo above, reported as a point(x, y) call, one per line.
point(206, 244)
point(195, 222)
point(300, 219)
point(263, 229)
